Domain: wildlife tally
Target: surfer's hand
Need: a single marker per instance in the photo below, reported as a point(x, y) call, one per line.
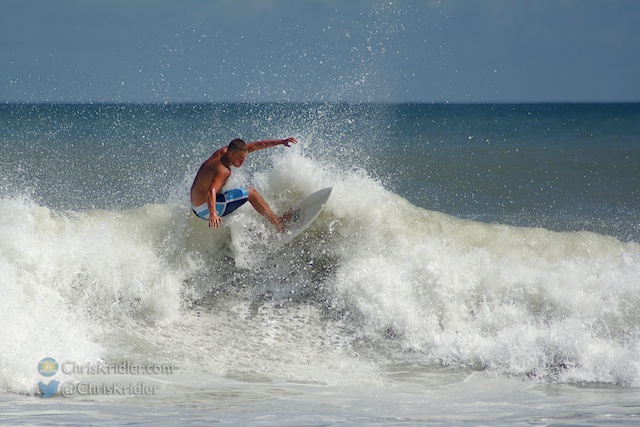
point(288, 141)
point(214, 221)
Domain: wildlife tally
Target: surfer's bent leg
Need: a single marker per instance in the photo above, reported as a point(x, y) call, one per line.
point(260, 205)
point(231, 200)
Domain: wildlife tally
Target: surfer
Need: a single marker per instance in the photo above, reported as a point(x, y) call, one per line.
point(207, 199)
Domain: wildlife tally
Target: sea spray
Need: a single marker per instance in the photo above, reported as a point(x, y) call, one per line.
point(106, 262)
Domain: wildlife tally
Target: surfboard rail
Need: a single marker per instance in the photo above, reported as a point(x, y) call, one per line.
point(304, 213)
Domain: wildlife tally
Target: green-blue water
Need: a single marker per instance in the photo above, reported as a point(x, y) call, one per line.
point(475, 264)
point(560, 166)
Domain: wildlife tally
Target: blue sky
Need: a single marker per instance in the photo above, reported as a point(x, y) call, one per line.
point(320, 50)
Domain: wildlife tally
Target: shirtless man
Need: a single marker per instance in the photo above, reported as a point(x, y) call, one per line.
point(207, 199)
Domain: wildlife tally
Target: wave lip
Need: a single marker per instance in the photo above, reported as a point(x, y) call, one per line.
point(515, 300)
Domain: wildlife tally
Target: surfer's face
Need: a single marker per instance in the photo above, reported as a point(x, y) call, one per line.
point(237, 158)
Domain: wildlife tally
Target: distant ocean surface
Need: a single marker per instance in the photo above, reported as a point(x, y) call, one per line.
point(475, 265)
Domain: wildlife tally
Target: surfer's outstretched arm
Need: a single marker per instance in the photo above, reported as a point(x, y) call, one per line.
point(268, 143)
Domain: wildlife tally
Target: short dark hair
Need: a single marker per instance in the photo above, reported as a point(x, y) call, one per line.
point(237, 145)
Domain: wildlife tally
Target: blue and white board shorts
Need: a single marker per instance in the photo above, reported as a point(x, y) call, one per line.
point(226, 203)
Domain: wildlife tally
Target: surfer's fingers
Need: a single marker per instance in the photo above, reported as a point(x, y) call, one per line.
point(289, 141)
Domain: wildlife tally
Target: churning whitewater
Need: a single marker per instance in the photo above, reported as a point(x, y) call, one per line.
point(375, 282)
point(473, 262)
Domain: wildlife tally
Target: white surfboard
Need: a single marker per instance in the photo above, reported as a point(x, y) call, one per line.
point(304, 214)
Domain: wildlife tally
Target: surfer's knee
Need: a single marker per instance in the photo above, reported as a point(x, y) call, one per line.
point(256, 200)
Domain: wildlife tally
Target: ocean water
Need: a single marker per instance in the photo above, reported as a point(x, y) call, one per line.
point(475, 265)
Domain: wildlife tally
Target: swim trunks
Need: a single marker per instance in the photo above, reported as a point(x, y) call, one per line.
point(226, 203)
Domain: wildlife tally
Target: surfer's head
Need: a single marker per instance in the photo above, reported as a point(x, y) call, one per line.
point(237, 151)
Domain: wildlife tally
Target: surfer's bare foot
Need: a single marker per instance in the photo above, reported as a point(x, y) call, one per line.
point(287, 216)
point(284, 220)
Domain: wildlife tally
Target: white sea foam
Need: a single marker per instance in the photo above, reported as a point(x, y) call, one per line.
point(375, 281)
